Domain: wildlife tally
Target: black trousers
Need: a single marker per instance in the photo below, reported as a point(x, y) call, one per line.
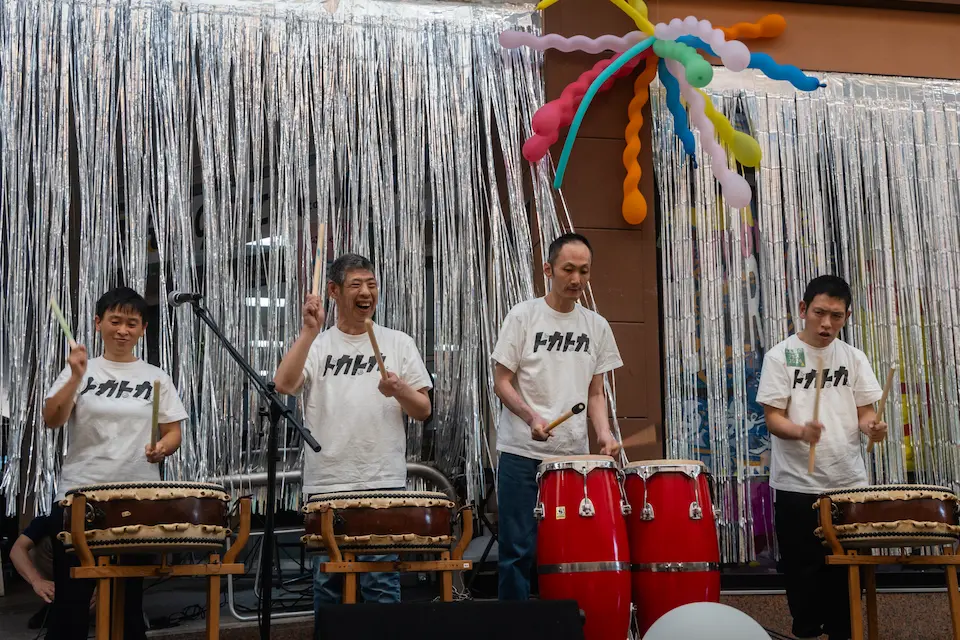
point(816, 592)
point(69, 617)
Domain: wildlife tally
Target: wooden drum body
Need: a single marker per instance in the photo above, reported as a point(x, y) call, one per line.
point(583, 551)
point(890, 516)
point(674, 548)
point(377, 522)
point(135, 517)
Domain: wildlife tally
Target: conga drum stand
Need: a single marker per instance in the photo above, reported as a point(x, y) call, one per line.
point(853, 560)
point(110, 577)
point(345, 563)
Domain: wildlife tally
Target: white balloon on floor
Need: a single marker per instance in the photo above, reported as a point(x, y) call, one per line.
point(706, 621)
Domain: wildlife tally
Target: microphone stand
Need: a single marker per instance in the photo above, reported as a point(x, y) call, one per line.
point(278, 410)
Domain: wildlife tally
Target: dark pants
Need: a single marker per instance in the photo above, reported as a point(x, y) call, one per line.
point(69, 617)
point(816, 592)
point(517, 532)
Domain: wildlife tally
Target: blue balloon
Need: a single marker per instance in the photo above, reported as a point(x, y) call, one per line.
point(765, 63)
point(614, 66)
point(680, 125)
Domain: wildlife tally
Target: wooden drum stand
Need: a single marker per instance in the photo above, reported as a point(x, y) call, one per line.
point(343, 562)
point(112, 576)
point(854, 560)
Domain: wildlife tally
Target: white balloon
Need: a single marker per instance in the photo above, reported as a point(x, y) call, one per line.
point(706, 621)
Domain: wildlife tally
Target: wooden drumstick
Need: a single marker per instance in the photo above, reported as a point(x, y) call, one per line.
point(376, 348)
point(320, 259)
point(577, 408)
point(816, 412)
point(63, 322)
point(883, 400)
point(155, 422)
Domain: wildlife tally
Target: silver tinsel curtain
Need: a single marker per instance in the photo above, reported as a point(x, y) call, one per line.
point(199, 146)
point(862, 180)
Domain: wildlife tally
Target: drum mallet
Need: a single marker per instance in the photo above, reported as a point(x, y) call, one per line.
point(155, 420)
point(376, 348)
point(577, 408)
point(320, 260)
point(883, 400)
point(816, 411)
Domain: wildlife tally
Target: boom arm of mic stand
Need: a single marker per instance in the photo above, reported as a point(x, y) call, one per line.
point(265, 389)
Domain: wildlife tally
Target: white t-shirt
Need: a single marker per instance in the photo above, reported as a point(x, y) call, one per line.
point(360, 431)
point(787, 381)
point(111, 421)
point(554, 356)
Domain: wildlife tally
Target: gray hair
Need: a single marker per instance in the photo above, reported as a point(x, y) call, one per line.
point(346, 263)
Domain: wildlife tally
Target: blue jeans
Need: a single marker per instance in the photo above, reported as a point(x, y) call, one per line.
point(517, 534)
point(374, 587)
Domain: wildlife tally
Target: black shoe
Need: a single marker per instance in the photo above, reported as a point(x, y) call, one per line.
point(39, 619)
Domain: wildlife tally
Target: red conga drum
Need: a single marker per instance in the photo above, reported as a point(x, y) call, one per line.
point(582, 545)
point(673, 537)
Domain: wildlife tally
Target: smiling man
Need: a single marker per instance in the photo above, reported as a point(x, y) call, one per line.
point(816, 592)
point(551, 354)
point(107, 405)
point(355, 414)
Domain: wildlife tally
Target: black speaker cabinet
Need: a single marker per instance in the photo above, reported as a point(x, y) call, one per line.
point(466, 620)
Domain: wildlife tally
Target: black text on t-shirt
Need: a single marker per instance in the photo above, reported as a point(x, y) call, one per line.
point(561, 342)
point(808, 378)
point(350, 365)
point(114, 389)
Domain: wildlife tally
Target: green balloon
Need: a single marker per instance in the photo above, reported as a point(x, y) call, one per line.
point(699, 72)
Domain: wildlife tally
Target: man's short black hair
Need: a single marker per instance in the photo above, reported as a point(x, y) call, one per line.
point(122, 299)
point(832, 286)
point(565, 239)
point(346, 263)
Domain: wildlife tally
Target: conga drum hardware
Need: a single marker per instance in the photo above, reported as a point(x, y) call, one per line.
point(668, 573)
point(131, 517)
point(582, 542)
point(583, 467)
point(891, 516)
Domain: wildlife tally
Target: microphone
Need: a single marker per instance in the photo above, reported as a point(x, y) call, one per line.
point(177, 298)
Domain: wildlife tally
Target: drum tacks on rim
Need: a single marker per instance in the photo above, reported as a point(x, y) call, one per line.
point(900, 515)
point(134, 517)
point(382, 521)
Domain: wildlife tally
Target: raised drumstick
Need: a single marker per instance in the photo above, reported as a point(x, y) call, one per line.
point(376, 348)
point(320, 259)
point(155, 423)
point(883, 400)
point(816, 411)
point(577, 408)
point(63, 322)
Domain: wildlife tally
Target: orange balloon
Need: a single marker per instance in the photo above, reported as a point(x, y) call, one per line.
point(634, 208)
point(769, 26)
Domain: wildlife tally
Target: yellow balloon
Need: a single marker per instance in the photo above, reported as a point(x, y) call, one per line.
point(641, 7)
point(745, 149)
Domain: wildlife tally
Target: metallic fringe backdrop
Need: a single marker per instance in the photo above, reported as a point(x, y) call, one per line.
point(862, 180)
point(199, 146)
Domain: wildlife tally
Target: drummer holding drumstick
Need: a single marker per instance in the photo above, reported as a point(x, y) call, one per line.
point(107, 404)
point(551, 355)
point(816, 447)
point(353, 407)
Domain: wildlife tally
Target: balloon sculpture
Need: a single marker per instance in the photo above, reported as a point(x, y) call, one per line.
point(674, 52)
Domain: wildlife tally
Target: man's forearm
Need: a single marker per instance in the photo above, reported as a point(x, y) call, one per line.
point(510, 397)
point(597, 414)
point(288, 373)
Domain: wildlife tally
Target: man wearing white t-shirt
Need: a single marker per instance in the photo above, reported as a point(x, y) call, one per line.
point(816, 592)
point(551, 354)
point(355, 415)
point(107, 405)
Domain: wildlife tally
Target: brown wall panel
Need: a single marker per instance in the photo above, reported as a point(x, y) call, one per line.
point(593, 185)
point(624, 275)
point(641, 440)
point(638, 380)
